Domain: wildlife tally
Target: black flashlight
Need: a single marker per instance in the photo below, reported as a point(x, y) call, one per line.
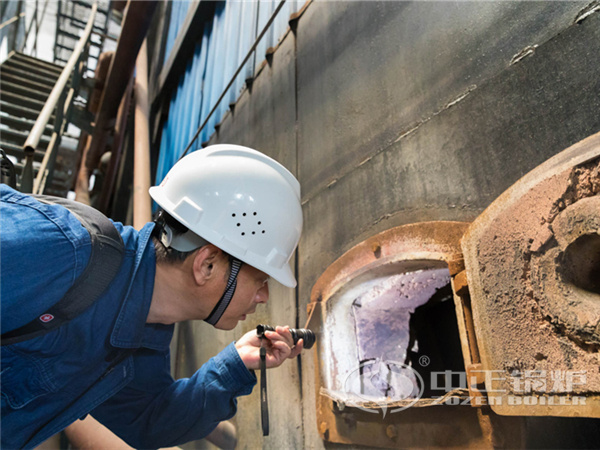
point(297, 334)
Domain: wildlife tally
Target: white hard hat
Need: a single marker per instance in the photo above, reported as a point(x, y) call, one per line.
point(240, 200)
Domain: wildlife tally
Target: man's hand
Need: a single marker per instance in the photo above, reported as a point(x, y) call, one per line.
point(279, 345)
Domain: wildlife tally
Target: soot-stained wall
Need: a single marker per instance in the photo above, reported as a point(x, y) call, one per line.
point(392, 113)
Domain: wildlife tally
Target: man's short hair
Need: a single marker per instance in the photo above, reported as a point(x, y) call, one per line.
point(168, 255)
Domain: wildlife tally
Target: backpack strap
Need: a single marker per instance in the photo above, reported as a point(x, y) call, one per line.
point(105, 260)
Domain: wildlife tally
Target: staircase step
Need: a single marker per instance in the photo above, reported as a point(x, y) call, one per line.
point(20, 111)
point(38, 62)
point(6, 69)
point(31, 68)
point(47, 88)
point(58, 58)
point(79, 23)
point(6, 86)
point(20, 100)
point(88, 5)
point(18, 123)
point(75, 38)
point(18, 152)
point(25, 85)
point(19, 137)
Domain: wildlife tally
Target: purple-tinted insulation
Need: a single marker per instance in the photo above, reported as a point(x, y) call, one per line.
point(382, 317)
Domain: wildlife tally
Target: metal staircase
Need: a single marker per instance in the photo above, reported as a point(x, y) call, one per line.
point(37, 103)
point(71, 18)
point(25, 85)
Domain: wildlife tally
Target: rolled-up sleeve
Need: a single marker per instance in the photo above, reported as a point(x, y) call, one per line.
point(156, 411)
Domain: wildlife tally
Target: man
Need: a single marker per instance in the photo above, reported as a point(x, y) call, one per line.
point(230, 219)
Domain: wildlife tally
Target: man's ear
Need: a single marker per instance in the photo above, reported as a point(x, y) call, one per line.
point(205, 262)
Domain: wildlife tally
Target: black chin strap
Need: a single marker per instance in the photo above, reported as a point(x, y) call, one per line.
point(223, 303)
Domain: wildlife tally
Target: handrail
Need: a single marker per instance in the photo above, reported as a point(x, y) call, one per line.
point(40, 124)
point(12, 20)
point(60, 101)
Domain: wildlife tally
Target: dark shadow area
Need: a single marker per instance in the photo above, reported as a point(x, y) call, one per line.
point(433, 326)
point(562, 432)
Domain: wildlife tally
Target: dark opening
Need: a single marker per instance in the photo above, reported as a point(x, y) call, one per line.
point(434, 327)
point(581, 263)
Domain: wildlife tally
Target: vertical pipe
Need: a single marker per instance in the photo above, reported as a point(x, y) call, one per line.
point(58, 25)
point(134, 28)
point(142, 206)
point(37, 29)
point(17, 27)
point(116, 149)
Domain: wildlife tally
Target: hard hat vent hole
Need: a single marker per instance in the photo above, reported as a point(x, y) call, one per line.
point(247, 225)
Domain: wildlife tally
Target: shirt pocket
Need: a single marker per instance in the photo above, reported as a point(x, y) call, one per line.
point(23, 378)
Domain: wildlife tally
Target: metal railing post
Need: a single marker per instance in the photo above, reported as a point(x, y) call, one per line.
point(27, 174)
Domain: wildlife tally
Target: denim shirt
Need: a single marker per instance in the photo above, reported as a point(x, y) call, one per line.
point(107, 361)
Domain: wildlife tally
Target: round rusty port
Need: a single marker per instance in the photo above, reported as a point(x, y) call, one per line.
point(566, 276)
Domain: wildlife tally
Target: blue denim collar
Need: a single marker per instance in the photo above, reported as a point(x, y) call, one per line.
point(131, 329)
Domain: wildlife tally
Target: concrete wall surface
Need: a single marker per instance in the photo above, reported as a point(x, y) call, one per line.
point(392, 113)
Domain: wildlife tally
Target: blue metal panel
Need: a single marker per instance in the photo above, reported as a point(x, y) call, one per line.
point(209, 82)
point(232, 16)
point(179, 10)
point(227, 38)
